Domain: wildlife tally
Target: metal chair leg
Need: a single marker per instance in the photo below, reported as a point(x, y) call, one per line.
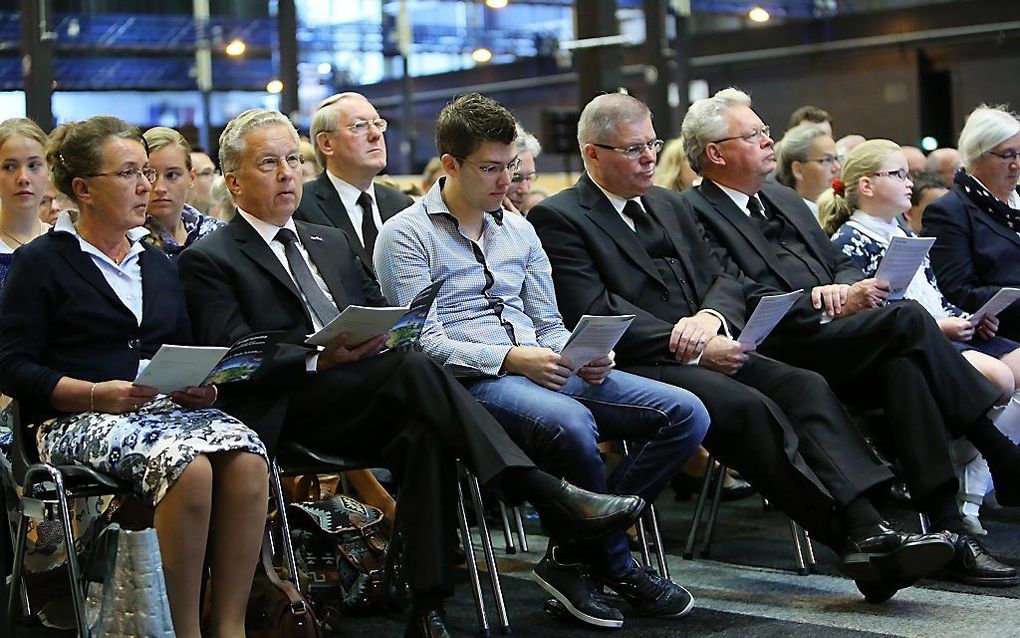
point(925, 525)
point(810, 549)
point(16, 582)
point(490, 557)
point(522, 537)
point(798, 552)
point(281, 514)
point(504, 518)
point(660, 548)
point(469, 550)
point(714, 512)
point(699, 509)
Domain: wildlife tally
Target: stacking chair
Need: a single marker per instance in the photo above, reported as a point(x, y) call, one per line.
point(295, 458)
point(47, 490)
point(804, 552)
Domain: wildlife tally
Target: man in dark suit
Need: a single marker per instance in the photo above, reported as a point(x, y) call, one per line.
point(618, 245)
point(264, 272)
point(348, 136)
point(892, 356)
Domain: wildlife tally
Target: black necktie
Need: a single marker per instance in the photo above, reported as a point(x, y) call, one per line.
point(757, 211)
point(644, 227)
point(368, 230)
point(319, 304)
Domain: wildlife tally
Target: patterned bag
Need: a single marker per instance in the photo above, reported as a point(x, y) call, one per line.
point(340, 549)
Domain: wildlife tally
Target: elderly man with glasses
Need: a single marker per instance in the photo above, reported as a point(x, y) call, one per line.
point(348, 136)
point(874, 354)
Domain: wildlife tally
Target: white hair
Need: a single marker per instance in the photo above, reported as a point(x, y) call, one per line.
point(325, 120)
point(232, 139)
point(527, 143)
point(986, 128)
point(705, 122)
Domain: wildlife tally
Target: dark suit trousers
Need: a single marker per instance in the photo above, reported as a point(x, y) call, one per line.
point(896, 358)
point(786, 432)
point(406, 411)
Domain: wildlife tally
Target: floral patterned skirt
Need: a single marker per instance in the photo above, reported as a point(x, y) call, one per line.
point(149, 447)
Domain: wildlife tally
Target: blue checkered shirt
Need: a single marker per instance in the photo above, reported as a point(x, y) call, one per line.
point(490, 300)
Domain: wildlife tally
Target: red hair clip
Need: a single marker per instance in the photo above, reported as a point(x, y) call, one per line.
point(838, 187)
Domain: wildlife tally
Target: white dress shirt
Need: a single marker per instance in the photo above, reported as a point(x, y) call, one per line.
point(349, 198)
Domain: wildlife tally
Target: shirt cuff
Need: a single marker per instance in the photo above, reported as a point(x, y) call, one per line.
point(696, 360)
point(312, 361)
point(724, 327)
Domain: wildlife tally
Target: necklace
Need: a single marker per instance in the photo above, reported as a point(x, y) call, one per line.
point(15, 239)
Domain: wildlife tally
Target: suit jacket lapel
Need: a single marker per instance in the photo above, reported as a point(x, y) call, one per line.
point(82, 264)
point(804, 232)
point(600, 210)
point(725, 207)
point(325, 261)
point(659, 210)
point(384, 199)
point(256, 249)
point(331, 206)
point(998, 227)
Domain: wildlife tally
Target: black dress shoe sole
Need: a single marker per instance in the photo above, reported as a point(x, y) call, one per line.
point(979, 581)
point(568, 607)
point(907, 563)
point(876, 592)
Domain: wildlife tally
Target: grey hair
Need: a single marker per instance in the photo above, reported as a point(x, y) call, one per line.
point(705, 122)
point(232, 139)
point(324, 120)
point(527, 143)
point(986, 128)
point(604, 113)
point(795, 147)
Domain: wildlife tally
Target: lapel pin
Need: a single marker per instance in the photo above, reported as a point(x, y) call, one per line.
point(315, 238)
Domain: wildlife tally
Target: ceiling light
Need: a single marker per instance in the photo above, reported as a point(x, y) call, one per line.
point(757, 14)
point(495, 4)
point(274, 86)
point(236, 47)
point(325, 68)
point(481, 55)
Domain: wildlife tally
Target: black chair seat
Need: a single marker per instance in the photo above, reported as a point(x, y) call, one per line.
point(79, 476)
point(299, 458)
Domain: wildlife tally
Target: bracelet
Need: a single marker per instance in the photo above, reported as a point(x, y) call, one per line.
point(215, 394)
point(92, 398)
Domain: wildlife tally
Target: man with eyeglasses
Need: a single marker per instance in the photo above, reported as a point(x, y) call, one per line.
point(264, 272)
point(619, 245)
point(496, 324)
point(874, 354)
point(348, 136)
point(205, 173)
point(528, 149)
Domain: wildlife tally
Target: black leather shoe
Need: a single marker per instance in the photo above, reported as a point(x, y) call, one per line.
point(879, 591)
point(427, 625)
point(733, 489)
point(571, 587)
point(650, 594)
point(973, 565)
point(885, 554)
point(585, 515)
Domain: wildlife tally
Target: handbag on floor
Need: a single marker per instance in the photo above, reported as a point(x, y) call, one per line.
point(276, 609)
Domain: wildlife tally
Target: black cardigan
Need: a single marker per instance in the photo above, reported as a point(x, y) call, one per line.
point(59, 317)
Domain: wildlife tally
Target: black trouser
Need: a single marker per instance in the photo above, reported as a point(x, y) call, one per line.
point(787, 433)
point(407, 411)
point(896, 358)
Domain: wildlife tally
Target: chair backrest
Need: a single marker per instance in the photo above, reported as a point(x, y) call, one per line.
point(24, 452)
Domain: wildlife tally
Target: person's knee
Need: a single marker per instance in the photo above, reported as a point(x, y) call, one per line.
point(689, 416)
point(192, 491)
point(1000, 374)
point(567, 435)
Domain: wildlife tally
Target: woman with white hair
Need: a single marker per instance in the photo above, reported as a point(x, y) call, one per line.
point(977, 224)
point(806, 162)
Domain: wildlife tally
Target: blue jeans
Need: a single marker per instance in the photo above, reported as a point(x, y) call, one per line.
point(561, 430)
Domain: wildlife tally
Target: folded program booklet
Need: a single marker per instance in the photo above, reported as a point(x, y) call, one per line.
point(179, 367)
point(402, 324)
point(593, 337)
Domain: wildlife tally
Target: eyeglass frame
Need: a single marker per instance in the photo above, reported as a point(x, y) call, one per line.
point(635, 151)
point(827, 160)
point(493, 168)
point(378, 122)
point(750, 138)
point(517, 178)
point(1008, 157)
point(149, 173)
point(901, 174)
point(277, 163)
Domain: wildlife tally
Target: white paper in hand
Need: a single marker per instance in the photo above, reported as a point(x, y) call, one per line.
point(766, 316)
point(901, 261)
point(999, 302)
point(179, 367)
point(593, 338)
point(360, 322)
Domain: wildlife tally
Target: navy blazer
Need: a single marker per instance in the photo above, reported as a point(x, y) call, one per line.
point(974, 255)
point(320, 204)
point(235, 286)
point(600, 268)
point(59, 317)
